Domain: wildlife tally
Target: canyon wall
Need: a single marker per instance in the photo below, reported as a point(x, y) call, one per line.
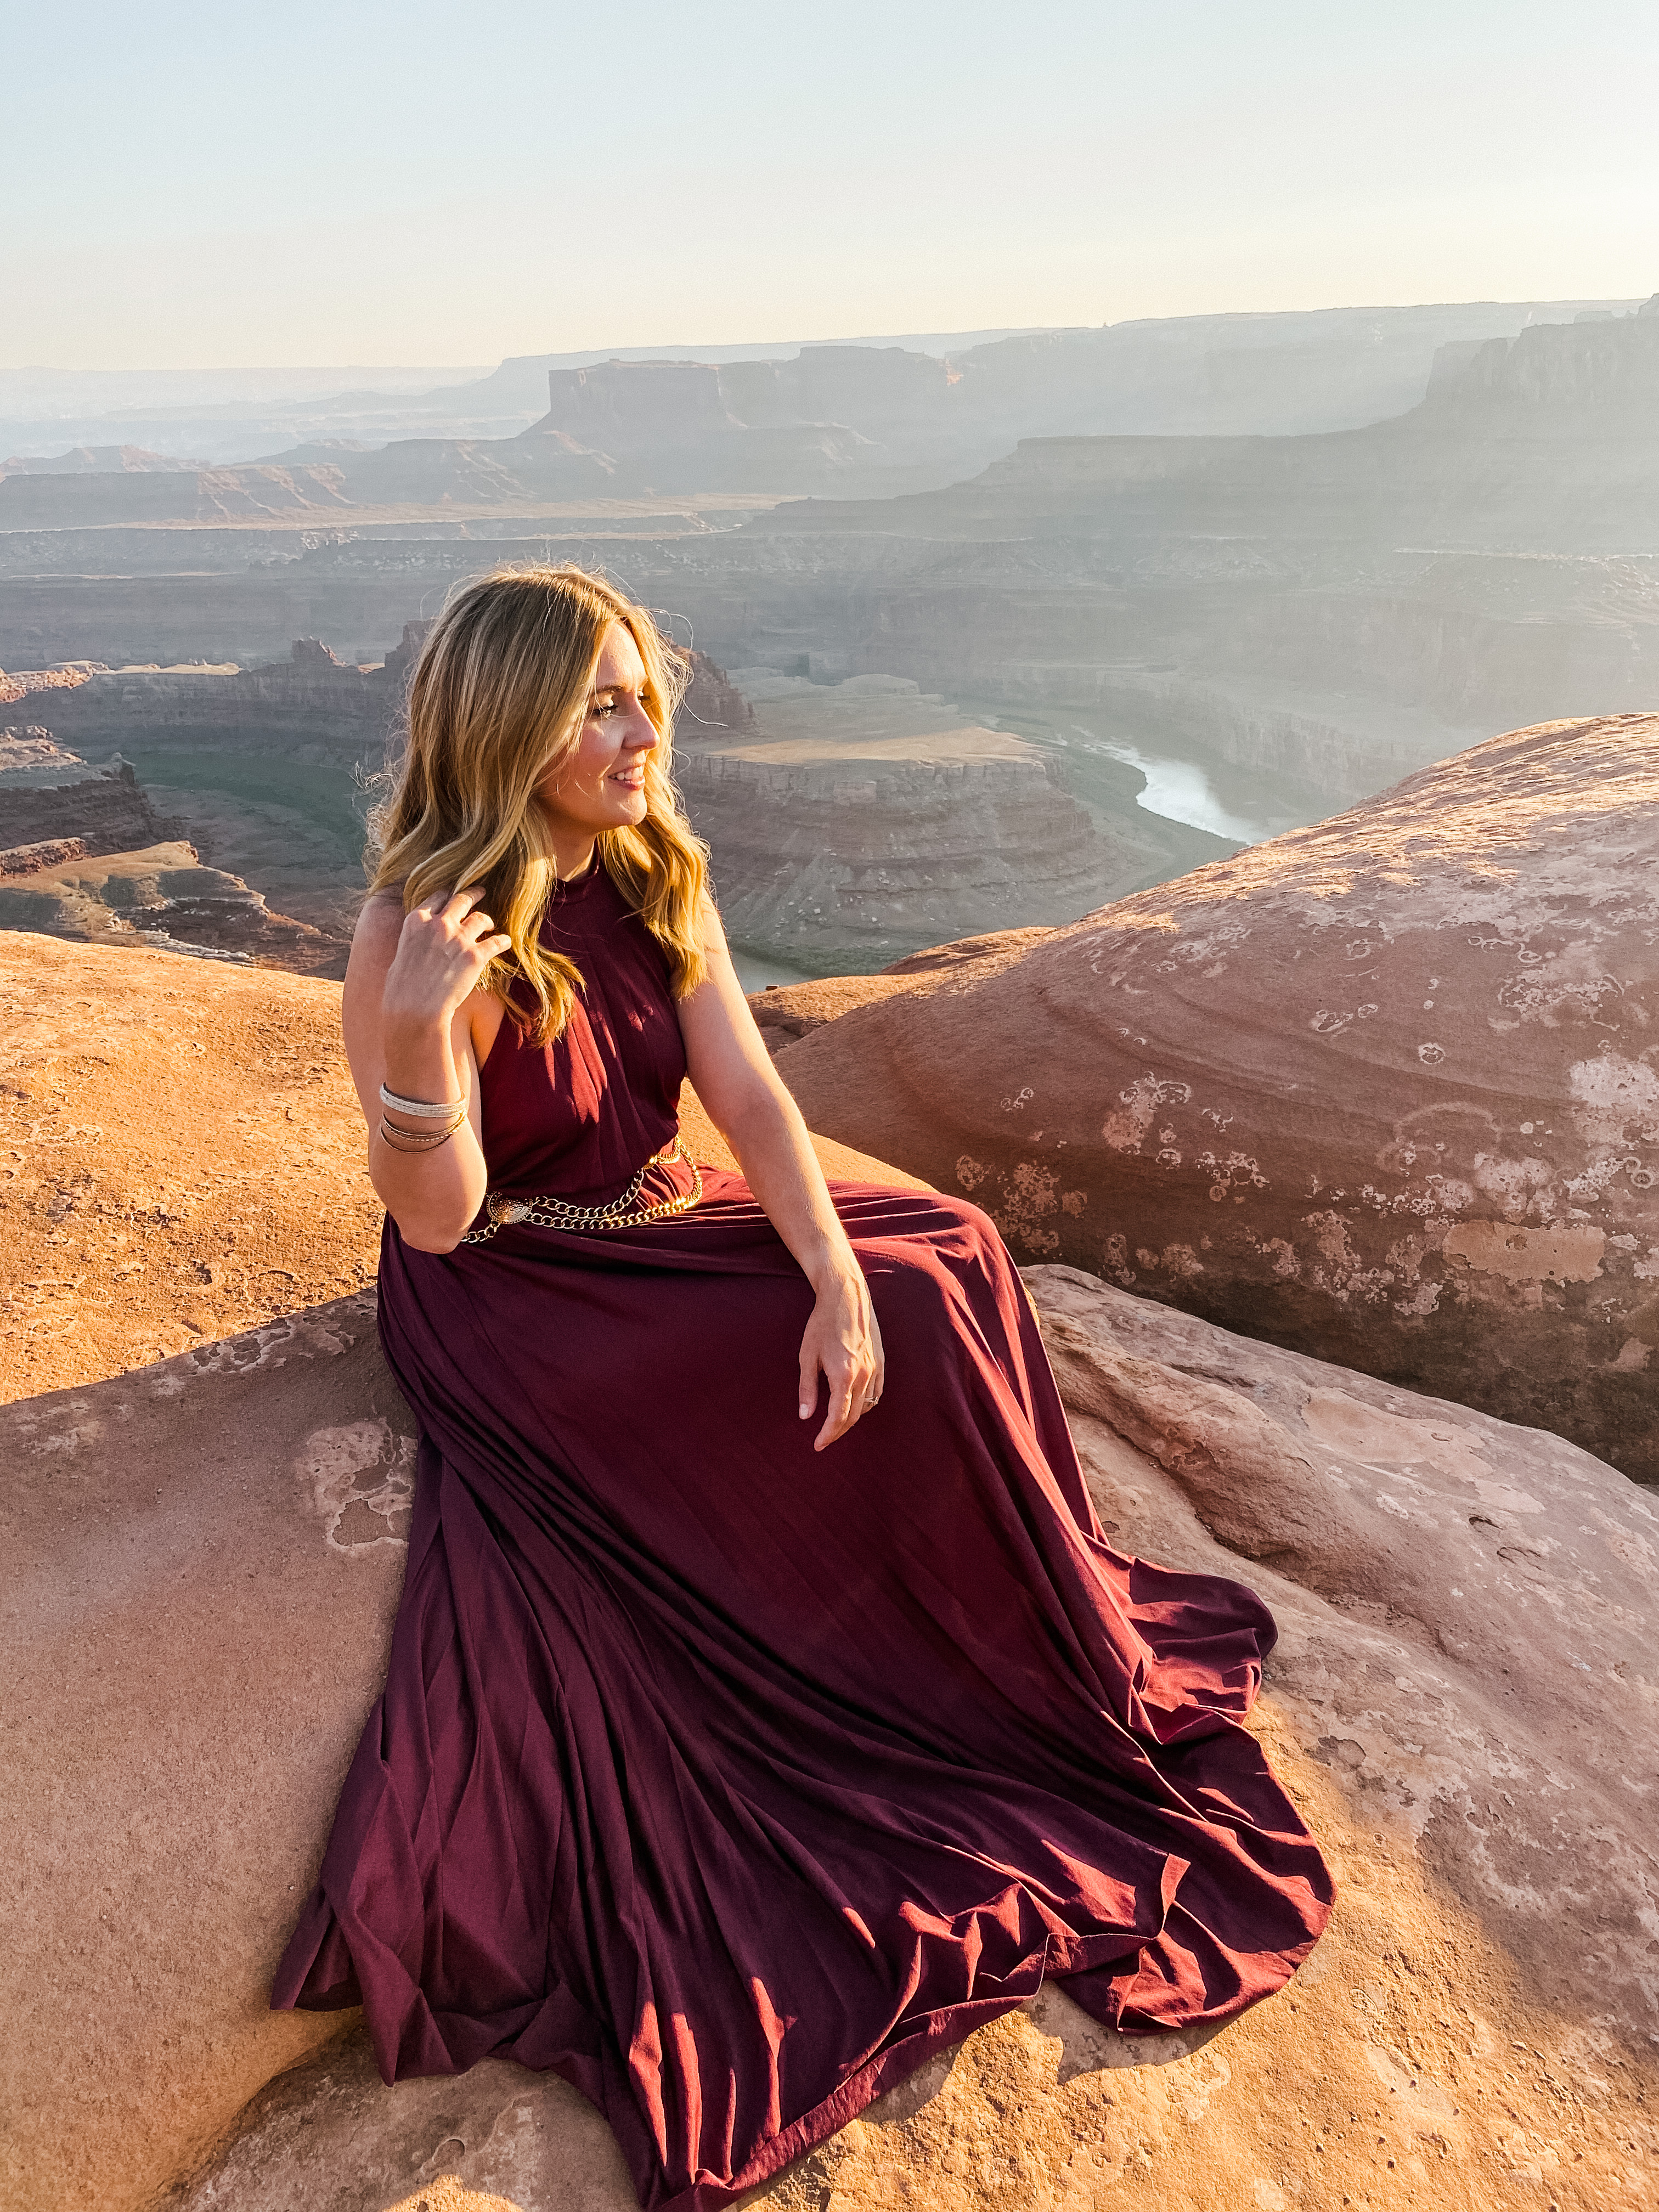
point(103, 809)
point(1325, 612)
point(313, 708)
point(823, 862)
point(161, 896)
point(853, 418)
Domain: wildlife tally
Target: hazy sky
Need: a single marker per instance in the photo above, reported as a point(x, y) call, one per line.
point(218, 184)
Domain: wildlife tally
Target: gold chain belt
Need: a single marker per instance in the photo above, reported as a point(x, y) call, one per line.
point(557, 1213)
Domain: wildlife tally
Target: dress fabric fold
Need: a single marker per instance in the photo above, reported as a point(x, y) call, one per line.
point(730, 1780)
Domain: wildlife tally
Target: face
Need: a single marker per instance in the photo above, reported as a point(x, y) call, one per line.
point(601, 786)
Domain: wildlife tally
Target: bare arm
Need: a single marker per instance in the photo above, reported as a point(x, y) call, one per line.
point(408, 1011)
point(734, 1078)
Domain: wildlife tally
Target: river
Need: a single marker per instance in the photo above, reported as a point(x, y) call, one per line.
point(1181, 791)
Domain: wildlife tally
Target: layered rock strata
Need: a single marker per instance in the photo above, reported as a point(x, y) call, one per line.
point(784, 1012)
point(19, 685)
point(861, 816)
point(1381, 1090)
point(47, 793)
point(48, 853)
point(311, 705)
point(163, 896)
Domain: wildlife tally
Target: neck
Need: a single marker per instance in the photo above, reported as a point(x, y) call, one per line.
point(571, 851)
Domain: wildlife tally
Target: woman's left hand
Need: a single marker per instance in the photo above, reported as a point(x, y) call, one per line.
point(842, 1343)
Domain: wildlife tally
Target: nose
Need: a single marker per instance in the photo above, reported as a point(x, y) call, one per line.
point(640, 736)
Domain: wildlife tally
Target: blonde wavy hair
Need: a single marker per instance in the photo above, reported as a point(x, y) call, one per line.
point(497, 698)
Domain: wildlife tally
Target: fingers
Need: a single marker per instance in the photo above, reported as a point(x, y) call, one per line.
point(841, 1416)
point(851, 1397)
point(452, 907)
point(843, 1344)
point(461, 922)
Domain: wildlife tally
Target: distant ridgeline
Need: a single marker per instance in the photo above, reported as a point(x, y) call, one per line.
point(325, 708)
point(1196, 536)
point(317, 706)
point(834, 419)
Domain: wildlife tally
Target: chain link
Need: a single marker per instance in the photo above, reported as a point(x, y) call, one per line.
point(556, 1213)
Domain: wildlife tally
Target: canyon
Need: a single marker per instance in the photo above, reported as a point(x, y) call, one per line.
point(927, 406)
point(851, 823)
point(1298, 601)
point(1188, 788)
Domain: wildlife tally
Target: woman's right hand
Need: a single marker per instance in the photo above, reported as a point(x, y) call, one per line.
point(444, 947)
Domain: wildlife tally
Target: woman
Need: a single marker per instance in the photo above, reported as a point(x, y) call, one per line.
point(726, 1766)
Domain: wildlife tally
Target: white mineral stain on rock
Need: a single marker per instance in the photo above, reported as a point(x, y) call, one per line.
point(1569, 1254)
point(1617, 1100)
point(361, 1484)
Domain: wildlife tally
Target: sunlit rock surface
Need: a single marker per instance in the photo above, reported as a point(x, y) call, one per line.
point(1384, 1090)
point(203, 1559)
point(182, 1156)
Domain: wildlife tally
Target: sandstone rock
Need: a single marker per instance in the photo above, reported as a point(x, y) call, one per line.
point(31, 748)
point(163, 895)
point(1380, 1089)
point(184, 1552)
point(47, 792)
point(19, 685)
point(47, 853)
point(92, 460)
point(181, 1157)
point(310, 699)
point(124, 495)
point(399, 663)
point(196, 1623)
point(784, 1012)
point(999, 945)
point(714, 710)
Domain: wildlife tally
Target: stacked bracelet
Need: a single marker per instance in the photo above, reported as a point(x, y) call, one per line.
point(408, 1140)
point(452, 1112)
point(421, 1108)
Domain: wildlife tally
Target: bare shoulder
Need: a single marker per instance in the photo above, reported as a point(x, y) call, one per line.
point(712, 931)
point(373, 949)
point(374, 940)
point(380, 921)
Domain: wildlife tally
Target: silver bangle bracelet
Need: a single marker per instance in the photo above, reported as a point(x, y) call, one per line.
point(421, 1108)
point(406, 1140)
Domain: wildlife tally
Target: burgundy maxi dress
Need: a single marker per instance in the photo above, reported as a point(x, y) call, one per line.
point(725, 1778)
